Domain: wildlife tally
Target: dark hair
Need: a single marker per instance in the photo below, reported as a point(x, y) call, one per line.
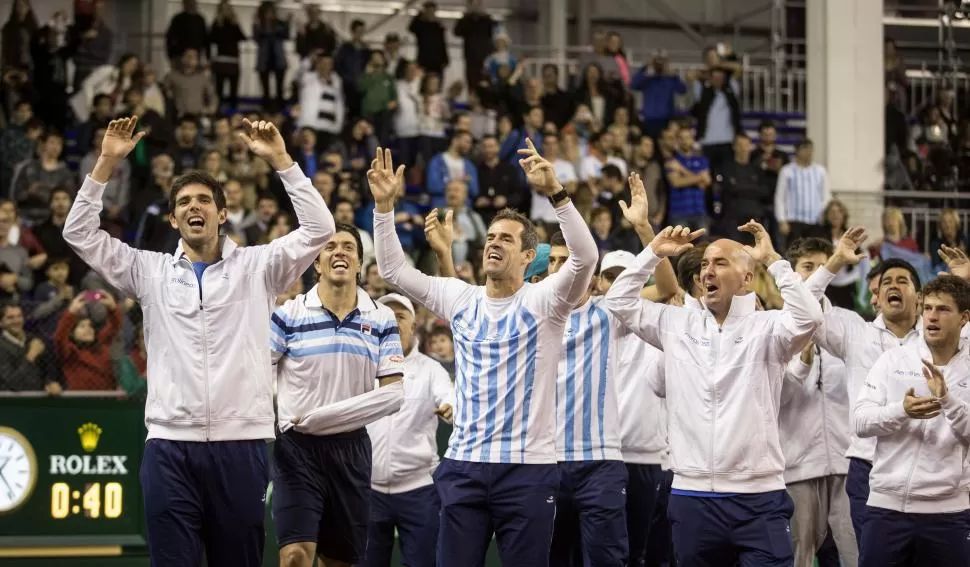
point(455, 134)
point(954, 286)
point(34, 124)
point(57, 260)
point(611, 171)
point(550, 66)
point(742, 135)
point(188, 118)
point(357, 24)
point(529, 110)
point(196, 177)
point(49, 133)
point(5, 305)
point(688, 266)
point(530, 239)
point(557, 239)
point(803, 143)
point(352, 230)
point(340, 201)
point(891, 263)
point(268, 197)
point(766, 124)
point(57, 190)
point(805, 246)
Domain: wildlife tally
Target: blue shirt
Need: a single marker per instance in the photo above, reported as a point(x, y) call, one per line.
point(688, 201)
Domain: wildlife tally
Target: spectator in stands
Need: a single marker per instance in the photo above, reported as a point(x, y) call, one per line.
point(351, 59)
point(374, 284)
point(501, 57)
point(91, 45)
point(267, 207)
point(644, 161)
point(223, 49)
point(392, 55)
point(322, 103)
point(557, 104)
point(378, 96)
point(187, 150)
point(14, 256)
point(50, 54)
point(110, 80)
point(238, 218)
point(84, 351)
point(212, 163)
point(430, 37)
point(16, 35)
point(949, 233)
point(801, 194)
point(159, 135)
point(476, 29)
point(306, 152)
point(601, 225)
point(269, 33)
point(743, 193)
point(767, 155)
point(132, 369)
point(117, 193)
point(718, 115)
point(599, 155)
point(50, 234)
point(21, 235)
point(36, 178)
point(51, 297)
point(357, 148)
point(595, 93)
point(316, 37)
point(152, 89)
point(190, 87)
point(154, 232)
point(689, 177)
point(600, 57)
point(17, 142)
point(895, 73)
point(407, 118)
point(433, 116)
point(470, 230)
point(614, 47)
point(895, 235)
point(102, 111)
point(482, 119)
point(344, 210)
point(24, 362)
point(624, 132)
point(659, 88)
point(499, 183)
point(187, 30)
point(452, 164)
point(844, 289)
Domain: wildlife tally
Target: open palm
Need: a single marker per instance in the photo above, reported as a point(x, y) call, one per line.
point(762, 251)
point(674, 240)
point(956, 260)
point(120, 138)
point(263, 138)
point(637, 211)
point(385, 183)
point(849, 245)
point(538, 171)
point(934, 379)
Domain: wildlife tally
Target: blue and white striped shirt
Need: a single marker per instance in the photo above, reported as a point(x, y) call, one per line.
point(802, 193)
point(587, 408)
point(321, 360)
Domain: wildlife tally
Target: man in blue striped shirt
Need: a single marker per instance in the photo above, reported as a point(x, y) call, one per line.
point(328, 346)
point(801, 195)
point(500, 474)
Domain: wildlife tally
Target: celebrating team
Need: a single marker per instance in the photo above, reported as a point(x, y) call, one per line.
point(585, 415)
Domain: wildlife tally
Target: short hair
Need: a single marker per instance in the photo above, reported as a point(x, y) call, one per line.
point(357, 24)
point(455, 134)
point(60, 189)
point(803, 143)
point(530, 239)
point(268, 197)
point(352, 230)
point(742, 135)
point(611, 171)
point(557, 239)
point(529, 110)
point(765, 124)
point(954, 286)
point(688, 266)
point(185, 118)
point(5, 305)
point(201, 178)
point(49, 133)
point(805, 246)
point(891, 263)
point(552, 66)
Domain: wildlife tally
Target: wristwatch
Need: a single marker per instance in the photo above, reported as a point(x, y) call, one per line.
point(562, 195)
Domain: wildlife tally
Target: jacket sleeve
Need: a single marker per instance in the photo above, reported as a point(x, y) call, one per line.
point(801, 314)
point(955, 411)
point(569, 284)
point(437, 173)
point(119, 264)
point(66, 349)
point(796, 375)
point(285, 259)
point(353, 413)
point(644, 318)
point(781, 195)
point(442, 388)
point(875, 415)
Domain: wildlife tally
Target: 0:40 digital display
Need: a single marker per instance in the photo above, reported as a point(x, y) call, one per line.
point(95, 500)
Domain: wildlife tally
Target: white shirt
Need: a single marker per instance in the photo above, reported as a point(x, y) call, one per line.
point(802, 193)
point(591, 167)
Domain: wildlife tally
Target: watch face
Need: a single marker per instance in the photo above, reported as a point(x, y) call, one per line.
point(18, 470)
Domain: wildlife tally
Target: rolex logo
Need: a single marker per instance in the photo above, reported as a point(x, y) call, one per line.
point(89, 433)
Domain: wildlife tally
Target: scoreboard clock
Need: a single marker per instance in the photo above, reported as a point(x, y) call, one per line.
point(69, 473)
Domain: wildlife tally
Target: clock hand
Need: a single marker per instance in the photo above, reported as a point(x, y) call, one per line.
point(5, 483)
point(5, 461)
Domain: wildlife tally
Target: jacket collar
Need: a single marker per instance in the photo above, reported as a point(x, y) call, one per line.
point(741, 305)
point(227, 247)
point(364, 302)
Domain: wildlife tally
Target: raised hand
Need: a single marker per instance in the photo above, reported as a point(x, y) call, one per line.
point(385, 182)
point(762, 251)
point(934, 380)
point(120, 138)
point(674, 240)
point(848, 246)
point(956, 260)
point(440, 234)
point(538, 171)
point(263, 139)
point(637, 212)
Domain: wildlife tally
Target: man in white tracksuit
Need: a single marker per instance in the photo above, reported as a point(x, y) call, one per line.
point(728, 501)
point(915, 404)
point(814, 430)
point(405, 454)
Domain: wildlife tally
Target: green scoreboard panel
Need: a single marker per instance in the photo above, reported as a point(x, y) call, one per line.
point(69, 475)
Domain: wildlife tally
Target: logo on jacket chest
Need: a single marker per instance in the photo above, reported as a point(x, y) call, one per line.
point(182, 282)
point(701, 342)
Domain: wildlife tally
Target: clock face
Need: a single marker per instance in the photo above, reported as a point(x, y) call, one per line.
point(18, 470)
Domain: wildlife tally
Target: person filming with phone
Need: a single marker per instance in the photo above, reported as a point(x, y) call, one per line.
point(84, 348)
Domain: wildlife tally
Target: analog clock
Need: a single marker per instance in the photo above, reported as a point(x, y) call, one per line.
point(18, 470)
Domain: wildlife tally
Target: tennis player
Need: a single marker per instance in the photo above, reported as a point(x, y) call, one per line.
point(210, 399)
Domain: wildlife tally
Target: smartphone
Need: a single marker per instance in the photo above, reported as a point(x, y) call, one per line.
point(92, 295)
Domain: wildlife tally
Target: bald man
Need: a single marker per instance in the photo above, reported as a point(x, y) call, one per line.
point(728, 502)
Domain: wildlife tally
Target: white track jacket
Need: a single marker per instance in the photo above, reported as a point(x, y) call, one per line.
point(723, 384)
point(920, 465)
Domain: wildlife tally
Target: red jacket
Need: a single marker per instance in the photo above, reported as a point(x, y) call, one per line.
point(87, 368)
